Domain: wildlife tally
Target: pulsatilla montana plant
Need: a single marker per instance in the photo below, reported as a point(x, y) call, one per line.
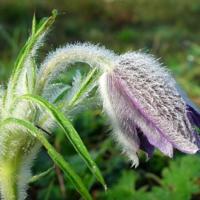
point(145, 107)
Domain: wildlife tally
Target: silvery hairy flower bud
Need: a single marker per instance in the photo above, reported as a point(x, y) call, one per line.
point(146, 108)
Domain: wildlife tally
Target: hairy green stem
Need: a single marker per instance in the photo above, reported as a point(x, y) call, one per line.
point(8, 181)
point(91, 55)
point(15, 163)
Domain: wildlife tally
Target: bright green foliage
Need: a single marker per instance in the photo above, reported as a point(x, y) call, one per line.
point(179, 182)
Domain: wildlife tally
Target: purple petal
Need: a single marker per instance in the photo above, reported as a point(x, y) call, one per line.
point(158, 107)
point(124, 130)
point(193, 115)
point(144, 144)
point(131, 110)
point(194, 118)
point(140, 94)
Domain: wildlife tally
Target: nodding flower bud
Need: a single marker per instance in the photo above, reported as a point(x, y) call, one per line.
point(143, 101)
point(146, 108)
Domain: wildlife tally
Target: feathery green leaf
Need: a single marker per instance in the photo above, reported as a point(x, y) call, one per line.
point(69, 131)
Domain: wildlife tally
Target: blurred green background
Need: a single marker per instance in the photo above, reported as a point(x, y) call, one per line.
point(167, 28)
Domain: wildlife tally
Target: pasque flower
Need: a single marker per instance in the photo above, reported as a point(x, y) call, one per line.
point(146, 108)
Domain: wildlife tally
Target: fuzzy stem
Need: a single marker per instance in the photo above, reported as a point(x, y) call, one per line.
point(8, 181)
point(92, 55)
point(15, 166)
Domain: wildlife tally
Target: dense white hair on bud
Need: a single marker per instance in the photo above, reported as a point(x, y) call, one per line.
point(58, 60)
point(128, 145)
point(146, 109)
point(155, 90)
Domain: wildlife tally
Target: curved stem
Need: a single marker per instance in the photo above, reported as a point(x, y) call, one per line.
point(92, 55)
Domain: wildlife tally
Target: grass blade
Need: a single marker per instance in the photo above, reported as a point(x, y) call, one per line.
point(55, 156)
point(33, 25)
point(26, 52)
point(34, 38)
point(69, 131)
